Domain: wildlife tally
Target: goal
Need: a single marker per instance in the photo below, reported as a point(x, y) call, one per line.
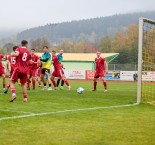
point(146, 62)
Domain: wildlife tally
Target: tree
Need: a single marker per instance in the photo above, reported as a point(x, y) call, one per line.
point(8, 47)
point(39, 43)
point(105, 44)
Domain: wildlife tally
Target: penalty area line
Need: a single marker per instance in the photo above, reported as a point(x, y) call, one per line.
point(65, 111)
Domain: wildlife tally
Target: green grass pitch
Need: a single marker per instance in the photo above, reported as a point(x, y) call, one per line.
point(134, 125)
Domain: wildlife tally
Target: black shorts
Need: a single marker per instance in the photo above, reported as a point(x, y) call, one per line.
point(45, 70)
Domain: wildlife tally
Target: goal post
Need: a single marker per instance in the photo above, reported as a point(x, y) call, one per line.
point(146, 62)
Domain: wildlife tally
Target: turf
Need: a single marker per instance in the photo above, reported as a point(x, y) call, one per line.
point(133, 125)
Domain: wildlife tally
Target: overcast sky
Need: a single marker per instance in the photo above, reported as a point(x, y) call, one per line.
point(23, 14)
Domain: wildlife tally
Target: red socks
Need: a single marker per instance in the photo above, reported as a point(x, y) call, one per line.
point(105, 85)
point(28, 83)
point(24, 95)
point(8, 86)
point(66, 82)
point(95, 84)
point(54, 84)
point(3, 85)
point(34, 84)
point(13, 90)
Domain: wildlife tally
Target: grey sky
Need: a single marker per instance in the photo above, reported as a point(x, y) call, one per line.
point(23, 14)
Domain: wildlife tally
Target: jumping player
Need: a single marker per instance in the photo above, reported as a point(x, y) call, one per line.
point(101, 70)
point(21, 71)
point(2, 73)
point(12, 61)
point(60, 58)
point(58, 71)
point(46, 66)
point(33, 69)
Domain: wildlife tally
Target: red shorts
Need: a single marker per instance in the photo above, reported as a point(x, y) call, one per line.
point(19, 75)
point(99, 75)
point(58, 73)
point(2, 71)
point(33, 72)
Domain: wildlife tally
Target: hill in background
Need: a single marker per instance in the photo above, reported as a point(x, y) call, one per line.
point(88, 30)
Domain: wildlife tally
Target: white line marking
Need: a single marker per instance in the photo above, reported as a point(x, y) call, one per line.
point(64, 111)
point(9, 110)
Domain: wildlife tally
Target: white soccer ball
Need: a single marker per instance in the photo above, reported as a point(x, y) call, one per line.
point(80, 90)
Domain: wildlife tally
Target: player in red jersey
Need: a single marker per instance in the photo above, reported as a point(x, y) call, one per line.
point(58, 72)
point(21, 71)
point(39, 73)
point(12, 61)
point(101, 70)
point(33, 69)
point(2, 73)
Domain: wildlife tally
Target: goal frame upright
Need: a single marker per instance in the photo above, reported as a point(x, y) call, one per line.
point(140, 57)
point(140, 47)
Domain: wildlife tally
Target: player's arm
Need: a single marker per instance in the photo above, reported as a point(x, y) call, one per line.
point(37, 62)
point(62, 65)
point(106, 66)
point(52, 62)
point(46, 59)
point(15, 53)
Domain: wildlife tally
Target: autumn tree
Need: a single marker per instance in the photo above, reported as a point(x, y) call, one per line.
point(39, 43)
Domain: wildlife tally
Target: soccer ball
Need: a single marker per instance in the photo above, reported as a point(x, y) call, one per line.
point(80, 90)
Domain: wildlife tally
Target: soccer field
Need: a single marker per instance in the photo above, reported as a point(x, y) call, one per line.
point(66, 118)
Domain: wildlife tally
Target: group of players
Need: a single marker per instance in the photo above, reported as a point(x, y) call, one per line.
point(26, 64)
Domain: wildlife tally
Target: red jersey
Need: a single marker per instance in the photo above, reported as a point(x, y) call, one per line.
point(22, 60)
point(56, 63)
point(100, 64)
point(1, 56)
point(34, 58)
point(12, 61)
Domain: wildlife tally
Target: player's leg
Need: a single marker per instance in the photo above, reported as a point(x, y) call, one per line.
point(48, 79)
point(34, 75)
point(104, 84)
point(39, 81)
point(33, 83)
point(24, 90)
point(95, 84)
point(8, 85)
point(62, 81)
point(43, 78)
point(65, 80)
point(3, 81)
point(7, 88)
point(39, 78)
point(58, 82)
point(28, 83)
point(23, 79)
point(13, 79)
point(96, 76)
point(53, 81)
point(2, 74)
point(13, 91)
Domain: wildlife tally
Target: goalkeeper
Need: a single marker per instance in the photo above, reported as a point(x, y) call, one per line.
point(46, 66)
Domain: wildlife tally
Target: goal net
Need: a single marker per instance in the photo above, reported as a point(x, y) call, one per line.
point(146, 62)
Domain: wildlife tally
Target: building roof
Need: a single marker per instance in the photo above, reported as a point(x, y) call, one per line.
point(86, 56)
